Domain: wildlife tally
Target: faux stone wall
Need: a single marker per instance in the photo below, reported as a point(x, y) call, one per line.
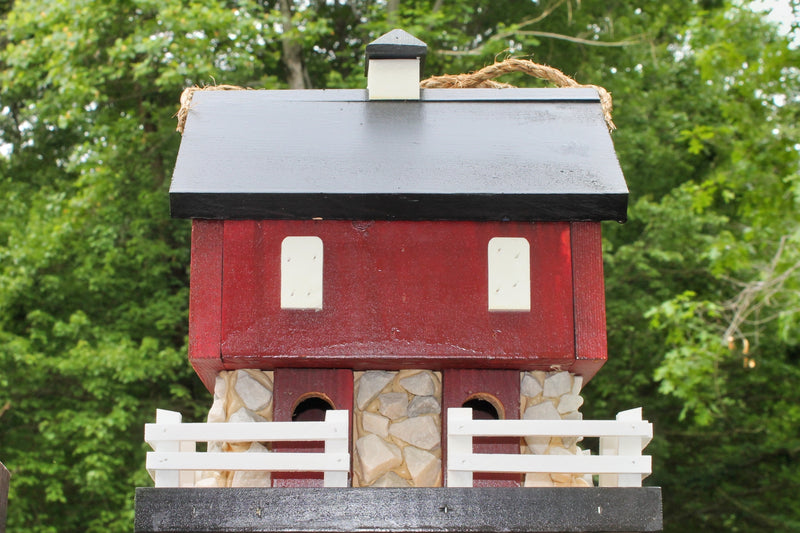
point(397, 425)
point(552, 396)
point(397, 429)
point(240, 396)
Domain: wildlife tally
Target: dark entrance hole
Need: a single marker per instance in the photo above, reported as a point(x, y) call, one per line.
point(482, 409)
point(311, 409)
point(487, 407)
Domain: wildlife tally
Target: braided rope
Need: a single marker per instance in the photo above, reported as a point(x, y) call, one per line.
point(481, 79)
point(484, 78)
point(186, 100)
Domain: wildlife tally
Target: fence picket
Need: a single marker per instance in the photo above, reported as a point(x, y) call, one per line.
point(167, 478)
point(458, 445)
point(630, 446)
point(337, 446)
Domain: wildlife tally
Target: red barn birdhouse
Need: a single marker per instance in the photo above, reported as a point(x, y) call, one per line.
point(393, 229)
point(367, 264)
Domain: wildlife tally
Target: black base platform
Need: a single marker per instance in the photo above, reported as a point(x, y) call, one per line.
point(418, 510)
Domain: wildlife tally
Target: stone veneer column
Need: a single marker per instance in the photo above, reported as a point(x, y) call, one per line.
point(552, 396)
point(240, 396)
point(397, 429)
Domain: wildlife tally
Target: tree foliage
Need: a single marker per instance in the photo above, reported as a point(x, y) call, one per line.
point(703, 282)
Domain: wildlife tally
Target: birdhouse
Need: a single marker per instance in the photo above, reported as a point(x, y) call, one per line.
point(395, 252)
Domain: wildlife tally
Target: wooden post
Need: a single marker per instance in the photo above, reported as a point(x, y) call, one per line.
point(337, 445)
point(167, 478)
point(608, 446)
point(458, 445)
point(186, 478)
point(5, 480)
point(630, 447)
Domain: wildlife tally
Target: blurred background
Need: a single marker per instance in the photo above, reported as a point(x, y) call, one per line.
point(703, 281)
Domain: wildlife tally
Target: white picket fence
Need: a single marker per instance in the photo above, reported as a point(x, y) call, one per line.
point(620, 463)
point(174, 459)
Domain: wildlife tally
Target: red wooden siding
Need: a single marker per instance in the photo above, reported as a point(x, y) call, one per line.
point(591, 349)
point(458, 386)
point(396, 295)
point(409, 294)
point(292, 386)
point(205, 299)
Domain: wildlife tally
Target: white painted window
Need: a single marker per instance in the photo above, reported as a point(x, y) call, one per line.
point(301, 273)
point(509, 274)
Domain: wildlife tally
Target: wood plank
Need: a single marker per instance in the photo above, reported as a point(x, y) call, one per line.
point(275, 462)
point(591, 349)
point(378, 510)
point(244, 432)
point(396, 295)
point(164, 477)
point(555, 428)
point(205, 300)
point(554, 464)
point(337, 446)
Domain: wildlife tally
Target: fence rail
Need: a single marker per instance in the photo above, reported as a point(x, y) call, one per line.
point(174, 458)
point(174, 461)
point(620, 463)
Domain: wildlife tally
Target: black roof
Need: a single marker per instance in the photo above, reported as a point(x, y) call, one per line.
point(457, 154)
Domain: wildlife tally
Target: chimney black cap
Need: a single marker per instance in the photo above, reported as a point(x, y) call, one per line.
point(397, 44)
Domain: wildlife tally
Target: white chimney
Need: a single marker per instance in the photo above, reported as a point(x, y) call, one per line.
point(394, 65)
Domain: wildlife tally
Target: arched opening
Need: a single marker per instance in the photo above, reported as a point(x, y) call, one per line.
point(484, 407)
point(488, 407)
point(311, 408)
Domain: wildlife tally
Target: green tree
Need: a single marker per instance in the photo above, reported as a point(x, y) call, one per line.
point(93, 273)
point(703, 285)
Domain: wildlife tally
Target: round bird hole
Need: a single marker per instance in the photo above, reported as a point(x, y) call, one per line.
point(311, 408)
point(484, 407)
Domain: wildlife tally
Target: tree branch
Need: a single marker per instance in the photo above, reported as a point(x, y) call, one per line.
point(755, 295)
point(527, 22)
point(546, 34)
point(578, 40)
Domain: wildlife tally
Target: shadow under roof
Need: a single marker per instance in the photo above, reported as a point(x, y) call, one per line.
point(457, 154)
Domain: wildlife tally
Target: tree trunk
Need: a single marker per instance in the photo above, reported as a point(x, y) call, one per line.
point(392, 6)
point(296, 74)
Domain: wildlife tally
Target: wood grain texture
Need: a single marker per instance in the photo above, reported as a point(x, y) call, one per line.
point(591, 350)
point(414, 510)
point(292, 386)
point(396, 295)
point(502, 386)
point(205, 300)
